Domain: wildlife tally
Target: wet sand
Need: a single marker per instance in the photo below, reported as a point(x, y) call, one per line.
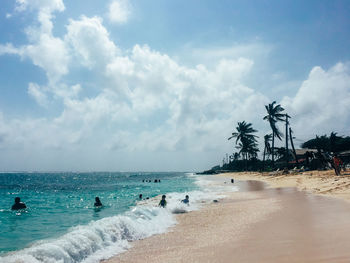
point(257, 224)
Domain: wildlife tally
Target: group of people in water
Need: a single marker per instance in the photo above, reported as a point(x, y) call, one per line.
point(20, 205)
point(163, 202)
point(150, 181)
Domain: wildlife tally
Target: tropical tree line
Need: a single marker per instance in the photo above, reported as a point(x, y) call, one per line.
point(332, 143)
point(246, 144)
point(246, 140)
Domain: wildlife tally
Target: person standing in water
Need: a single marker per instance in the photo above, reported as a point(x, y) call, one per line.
point(97, 202)
point(18, 204)
point(162, 202)
point(186, 200)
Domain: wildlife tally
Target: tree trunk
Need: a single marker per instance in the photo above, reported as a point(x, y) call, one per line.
point(291, 143)
point(287, 152)
point(273, 149)
point(263, 164)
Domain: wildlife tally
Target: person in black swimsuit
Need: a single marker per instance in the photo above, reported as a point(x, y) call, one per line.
point(18, 204)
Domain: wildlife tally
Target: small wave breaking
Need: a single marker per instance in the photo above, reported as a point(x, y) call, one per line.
point(98, 240)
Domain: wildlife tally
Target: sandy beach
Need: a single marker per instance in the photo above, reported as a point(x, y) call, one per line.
point(273, 218)
point(316, 182)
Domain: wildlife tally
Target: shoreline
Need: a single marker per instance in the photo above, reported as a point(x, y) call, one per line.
point(242, 226)
point(195, 231)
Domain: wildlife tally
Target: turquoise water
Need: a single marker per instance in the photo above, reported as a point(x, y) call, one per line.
point(58, 202)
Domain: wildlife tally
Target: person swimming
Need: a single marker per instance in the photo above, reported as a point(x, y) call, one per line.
point(186, 200)
point(97, 202)
point(140, 196)
point(162, 202)
point(18, 204)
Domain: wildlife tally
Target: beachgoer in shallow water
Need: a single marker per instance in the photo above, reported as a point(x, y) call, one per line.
point(162, 202)
point(140, 196)
point(18, 204)
point(186, 200)
point(337, 162)
point(156, 181)
point(97, 202)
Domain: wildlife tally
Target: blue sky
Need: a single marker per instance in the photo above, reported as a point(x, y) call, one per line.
point(159, 85)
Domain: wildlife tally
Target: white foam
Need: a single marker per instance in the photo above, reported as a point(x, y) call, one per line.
point(98, 240)
point(112, 235)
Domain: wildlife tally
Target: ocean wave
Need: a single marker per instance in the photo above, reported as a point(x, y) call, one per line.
point(98, 240)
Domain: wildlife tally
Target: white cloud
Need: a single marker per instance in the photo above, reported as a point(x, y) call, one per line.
point(45, 8)
point(38, 94)
point(9, 49)
point(45, 50)
point(67, 92)
point(322, 103)
point(119, 11)
point(44, 5)
point(50, 54)
point(90, 42)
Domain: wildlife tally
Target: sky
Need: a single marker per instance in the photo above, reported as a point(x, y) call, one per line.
point(126, 85)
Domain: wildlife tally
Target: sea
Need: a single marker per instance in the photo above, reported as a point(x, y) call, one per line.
point(61, 224)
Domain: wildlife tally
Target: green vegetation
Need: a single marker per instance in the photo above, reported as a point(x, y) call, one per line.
point(246, 158)
point(333, 143)
point(247, 142)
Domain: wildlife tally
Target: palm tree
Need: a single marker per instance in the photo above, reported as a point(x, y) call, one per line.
point(244, 130)
point(252, 149)
point(247, 140)
point(267, 147)
point(274, 114)
point(248, 148)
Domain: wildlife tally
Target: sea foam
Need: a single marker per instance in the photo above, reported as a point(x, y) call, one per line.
point(98, 240)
